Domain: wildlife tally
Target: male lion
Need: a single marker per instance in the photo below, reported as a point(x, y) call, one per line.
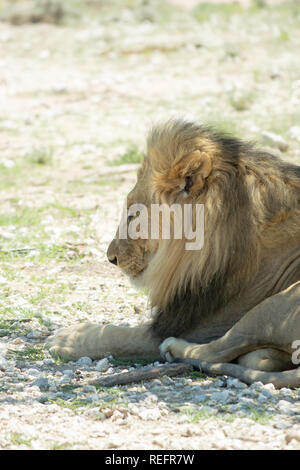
point(235, 300)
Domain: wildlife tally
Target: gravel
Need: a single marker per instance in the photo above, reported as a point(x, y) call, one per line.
point(130, 75)
point(61, 396)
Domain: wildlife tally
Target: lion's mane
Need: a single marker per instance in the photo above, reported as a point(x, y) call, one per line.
point(249, 196)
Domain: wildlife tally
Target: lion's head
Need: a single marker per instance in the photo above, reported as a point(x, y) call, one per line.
point(186, 163)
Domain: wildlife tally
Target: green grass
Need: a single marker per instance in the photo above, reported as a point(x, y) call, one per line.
point(241, 101)
point(41, 254)
point(129, 362)
point(22, 216)
point(260, 416)
point(132, 155)
point(29, 353)
point(40, 156)
point(18, 439)
point(9, 326)
point(193, 415)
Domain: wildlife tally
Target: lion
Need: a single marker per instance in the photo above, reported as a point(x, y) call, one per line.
point(233, 306)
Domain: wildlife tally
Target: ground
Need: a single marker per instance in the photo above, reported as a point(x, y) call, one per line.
point(77, 99)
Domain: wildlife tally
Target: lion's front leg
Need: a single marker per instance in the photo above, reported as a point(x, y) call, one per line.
point(97, 341)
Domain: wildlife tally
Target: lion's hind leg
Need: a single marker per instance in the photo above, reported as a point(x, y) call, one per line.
point(266, 359)
point(263, 340)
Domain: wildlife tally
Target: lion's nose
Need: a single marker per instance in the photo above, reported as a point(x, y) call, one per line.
point(113, 260)
point(112, 252)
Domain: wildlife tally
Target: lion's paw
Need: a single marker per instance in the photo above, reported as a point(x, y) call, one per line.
point(173, 348)
point(166, 349)
point(66, 343)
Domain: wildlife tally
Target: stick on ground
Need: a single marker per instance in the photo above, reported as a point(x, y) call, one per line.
point(143, 373)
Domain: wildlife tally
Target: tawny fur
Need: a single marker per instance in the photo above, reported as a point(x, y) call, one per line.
point(251, 203)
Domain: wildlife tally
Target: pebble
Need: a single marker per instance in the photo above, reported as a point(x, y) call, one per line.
point(149, 414)
point(42, 383)
point(103, 365)
point(89, 389)
point(4, 364)
point(274, 140)
point(34, 334)
point(84, 361)
point(235, 383)
point(222, 397)
point(294, 132)
point(33, 372)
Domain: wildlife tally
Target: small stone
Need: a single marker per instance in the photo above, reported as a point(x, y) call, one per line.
point(286, 407)
point(117, 415)
point(221, 397)
point(221, 383)
point(65, 380)
point(150, 414)
point(33, 372)
point(108, 412)
point(34, 334)
point(294, 132)
point(103, 365)
point(209, 409)
point(4, 364)
point(89, 389)
point(167, 380)
point(235, 383)
point(258, 386)
point(17, 341)
point(42, 383)
point(262, 398)
point(274, 140)
point(269, 387)
point(84, 361)
point(287, 392)
point(267, 394)
point(48, 362)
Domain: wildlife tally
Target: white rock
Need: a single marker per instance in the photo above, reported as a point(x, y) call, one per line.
point(42, 383)
point(269, 387)
point(84, 361)
point(89, 389)
point(266, 393)
point(150, 414)
point(287, 392)
point(221, 397)
point(262, 398)
point(48, 362)
point(209, 410)
point(220, 383)
point(33, 372)
point(294, 132)
point(235, 383)
point(103, 365)
point(257, 386)
point(274, 140)
point(4, 364)
point(66, 379)
point(34, 334)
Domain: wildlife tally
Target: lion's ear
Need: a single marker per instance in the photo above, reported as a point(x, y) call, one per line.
point(187, 175)
point(195, 163)
point(191, 172)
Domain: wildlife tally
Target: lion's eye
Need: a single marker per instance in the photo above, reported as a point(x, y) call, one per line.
point(188, 184)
